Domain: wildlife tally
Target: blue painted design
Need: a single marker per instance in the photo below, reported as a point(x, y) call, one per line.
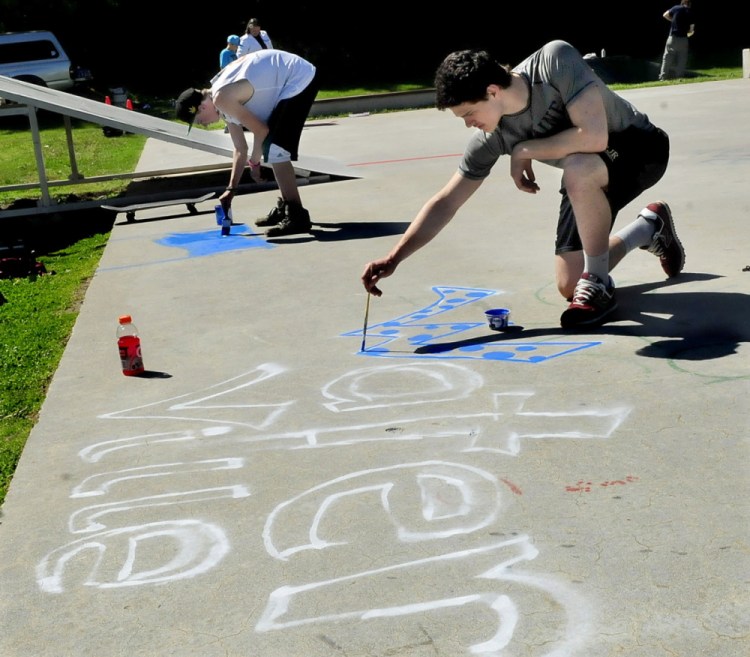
point(423, 335)
point(211, 242)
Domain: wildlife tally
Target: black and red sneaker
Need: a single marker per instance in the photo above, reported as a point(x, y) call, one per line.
point(664, 243)
point(592, 301)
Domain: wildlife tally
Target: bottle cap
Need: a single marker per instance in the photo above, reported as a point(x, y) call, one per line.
point(125, 319)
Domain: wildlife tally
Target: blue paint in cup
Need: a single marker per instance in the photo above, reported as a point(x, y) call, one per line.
point(498, 318)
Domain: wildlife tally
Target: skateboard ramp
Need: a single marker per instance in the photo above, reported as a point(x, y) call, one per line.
point(17, 97)
point(93, 111)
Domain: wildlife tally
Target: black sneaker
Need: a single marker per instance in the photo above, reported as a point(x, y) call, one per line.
point(664, 243)
point(592, 302)
point(275, 216)
point(296, 220)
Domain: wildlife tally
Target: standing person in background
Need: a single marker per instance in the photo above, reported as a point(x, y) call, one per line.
point(682, 26)
point(229, 54)
point(270, 93)
point(254, 38)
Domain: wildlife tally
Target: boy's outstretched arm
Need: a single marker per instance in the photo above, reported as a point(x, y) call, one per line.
point(431, 219)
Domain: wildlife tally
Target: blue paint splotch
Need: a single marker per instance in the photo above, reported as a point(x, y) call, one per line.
point(211, 242)
point(417, 335)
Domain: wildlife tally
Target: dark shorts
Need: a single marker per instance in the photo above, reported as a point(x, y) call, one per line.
point(288, 118)
point(636, 159)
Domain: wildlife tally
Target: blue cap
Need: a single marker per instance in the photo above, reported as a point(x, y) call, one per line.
point(233, 39)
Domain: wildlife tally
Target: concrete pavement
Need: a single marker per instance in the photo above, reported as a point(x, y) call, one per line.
point(271, 490)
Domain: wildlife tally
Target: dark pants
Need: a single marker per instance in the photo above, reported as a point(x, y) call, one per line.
point(636, 159)
point(288, 118)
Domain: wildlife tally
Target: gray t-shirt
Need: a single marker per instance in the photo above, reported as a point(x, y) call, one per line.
point(275, 75)
point(556, 74)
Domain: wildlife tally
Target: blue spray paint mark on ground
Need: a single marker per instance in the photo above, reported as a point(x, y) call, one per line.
point(211, 242)
point(417, 330)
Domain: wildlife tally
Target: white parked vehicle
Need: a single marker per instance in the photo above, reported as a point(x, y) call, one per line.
point(39, 58)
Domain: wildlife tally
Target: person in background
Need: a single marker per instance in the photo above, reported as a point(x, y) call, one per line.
point(552, 108)
point(269, 92)
point(681, 28)
point(229, 54)
point(254, 38)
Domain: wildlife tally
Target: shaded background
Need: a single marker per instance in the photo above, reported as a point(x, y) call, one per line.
point(162, 47)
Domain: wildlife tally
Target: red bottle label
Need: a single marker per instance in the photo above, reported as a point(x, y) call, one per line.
point(130, 355)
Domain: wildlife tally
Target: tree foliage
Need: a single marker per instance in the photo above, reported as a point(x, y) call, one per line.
point(161, 46)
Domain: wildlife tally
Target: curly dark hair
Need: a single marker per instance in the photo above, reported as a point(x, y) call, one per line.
point(464, 76)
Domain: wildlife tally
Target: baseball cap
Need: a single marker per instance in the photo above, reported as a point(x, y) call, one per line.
point(233, 39)
point(186, 105)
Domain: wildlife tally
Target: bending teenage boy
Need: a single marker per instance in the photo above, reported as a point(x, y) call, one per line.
point(270, 93)
point(552, 108)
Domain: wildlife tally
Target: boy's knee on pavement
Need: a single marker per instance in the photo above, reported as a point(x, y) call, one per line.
point(567, 288)
point(568, 270)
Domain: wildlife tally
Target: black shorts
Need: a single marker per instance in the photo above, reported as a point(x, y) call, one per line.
point(288, 118)
point(636, 159)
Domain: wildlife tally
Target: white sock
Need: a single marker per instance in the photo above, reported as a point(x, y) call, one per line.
point(597, 265)
point(640, 232)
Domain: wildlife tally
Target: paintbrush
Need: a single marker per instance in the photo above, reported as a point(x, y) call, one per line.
point(364, 330)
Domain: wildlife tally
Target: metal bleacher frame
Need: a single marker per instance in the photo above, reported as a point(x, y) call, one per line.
point(23, 98)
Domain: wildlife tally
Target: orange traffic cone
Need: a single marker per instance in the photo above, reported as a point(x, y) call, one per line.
point(129, 104)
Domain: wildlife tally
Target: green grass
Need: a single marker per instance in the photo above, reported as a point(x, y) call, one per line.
point(365, 91)
point(96, 155)
point(703, 75)
point(36, 322)
point(35, 326)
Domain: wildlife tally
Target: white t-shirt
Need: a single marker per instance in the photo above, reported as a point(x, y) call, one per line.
point(248, 43)
point(275, 75)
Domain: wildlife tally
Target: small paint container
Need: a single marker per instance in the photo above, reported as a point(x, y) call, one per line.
point(498, 318)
